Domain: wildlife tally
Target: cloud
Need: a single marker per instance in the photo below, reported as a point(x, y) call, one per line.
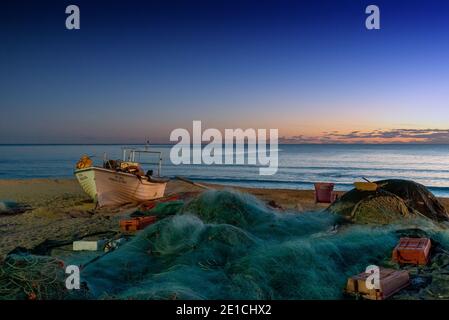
point(429, 136)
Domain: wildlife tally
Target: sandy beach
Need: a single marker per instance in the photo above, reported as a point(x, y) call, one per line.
point(60, 210)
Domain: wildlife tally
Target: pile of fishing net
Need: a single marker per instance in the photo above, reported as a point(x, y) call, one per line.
point(11, 208)
point(228, 245)
point(26, 276)
point(394, 200)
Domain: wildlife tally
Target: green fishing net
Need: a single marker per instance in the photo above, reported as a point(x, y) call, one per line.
point(228, 245)
point(161, 209)
point(393, 201)
point(25, 276)
point(12, 207)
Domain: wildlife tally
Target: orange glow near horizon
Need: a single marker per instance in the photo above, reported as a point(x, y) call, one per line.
point(372, 137)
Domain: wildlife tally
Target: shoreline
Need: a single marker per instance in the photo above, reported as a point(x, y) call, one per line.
point(439, 192)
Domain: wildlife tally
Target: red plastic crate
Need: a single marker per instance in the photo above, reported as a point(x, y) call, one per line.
point(324, 192)
point(412, 251)
point(136, 223)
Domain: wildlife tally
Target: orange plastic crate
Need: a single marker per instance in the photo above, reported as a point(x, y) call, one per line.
point(136, 223)
point(412, 251)
point(391, 281)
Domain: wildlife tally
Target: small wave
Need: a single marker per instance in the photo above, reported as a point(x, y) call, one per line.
point(297, 184)
point(256, 181)
point(317, 168)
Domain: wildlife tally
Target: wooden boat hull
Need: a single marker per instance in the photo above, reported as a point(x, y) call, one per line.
point(111, 188)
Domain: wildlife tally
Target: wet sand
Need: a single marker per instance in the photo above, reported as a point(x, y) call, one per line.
point(62, 211)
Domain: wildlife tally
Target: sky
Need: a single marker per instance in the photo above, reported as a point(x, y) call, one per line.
point(137, 70)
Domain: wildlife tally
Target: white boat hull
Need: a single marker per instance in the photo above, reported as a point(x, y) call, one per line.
point(111, 188)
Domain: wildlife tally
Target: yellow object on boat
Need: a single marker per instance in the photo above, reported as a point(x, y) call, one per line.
point(128, 164)
point(365, 186)
point(84, 162)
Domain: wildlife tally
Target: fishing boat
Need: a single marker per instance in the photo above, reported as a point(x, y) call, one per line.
point(119, 182)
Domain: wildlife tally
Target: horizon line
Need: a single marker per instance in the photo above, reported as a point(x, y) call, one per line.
point(206, 143)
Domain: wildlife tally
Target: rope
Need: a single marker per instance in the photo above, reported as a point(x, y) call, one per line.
point(31, 277)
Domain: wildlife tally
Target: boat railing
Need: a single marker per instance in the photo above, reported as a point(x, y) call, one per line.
point(134, 155)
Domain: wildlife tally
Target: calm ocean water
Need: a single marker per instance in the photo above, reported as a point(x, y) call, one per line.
point(299, 165)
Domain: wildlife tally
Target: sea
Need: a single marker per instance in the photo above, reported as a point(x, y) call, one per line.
point(299, 165)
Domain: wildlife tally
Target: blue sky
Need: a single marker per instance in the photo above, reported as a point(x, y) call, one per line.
point(137, 70)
